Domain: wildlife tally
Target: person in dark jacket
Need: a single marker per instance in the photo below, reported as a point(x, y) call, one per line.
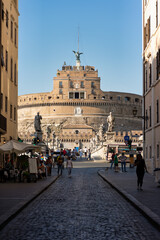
point(140, 170)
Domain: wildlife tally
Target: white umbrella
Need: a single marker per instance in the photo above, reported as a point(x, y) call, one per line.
point(16, 146)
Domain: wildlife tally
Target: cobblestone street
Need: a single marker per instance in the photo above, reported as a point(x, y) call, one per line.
point(82, 207)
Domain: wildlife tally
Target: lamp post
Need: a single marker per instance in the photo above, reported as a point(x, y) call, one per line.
point(145, 117)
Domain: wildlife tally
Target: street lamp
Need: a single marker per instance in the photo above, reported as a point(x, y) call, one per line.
point(135, 114)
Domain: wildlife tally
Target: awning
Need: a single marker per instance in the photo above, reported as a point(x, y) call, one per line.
point(17, 147)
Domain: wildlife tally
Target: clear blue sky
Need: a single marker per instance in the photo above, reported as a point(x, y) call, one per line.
point(110, 38)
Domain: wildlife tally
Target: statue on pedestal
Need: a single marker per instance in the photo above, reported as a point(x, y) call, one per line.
point(37, 123)
point(110, 121)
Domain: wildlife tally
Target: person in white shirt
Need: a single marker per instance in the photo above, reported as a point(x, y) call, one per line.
point(69, 166)
point(85, 152)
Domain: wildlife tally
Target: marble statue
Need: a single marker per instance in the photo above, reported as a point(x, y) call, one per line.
point(110, 121)
point(37, 123)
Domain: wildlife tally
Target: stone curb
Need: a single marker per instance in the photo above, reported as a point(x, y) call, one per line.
point(150, 215)
point(6, 218)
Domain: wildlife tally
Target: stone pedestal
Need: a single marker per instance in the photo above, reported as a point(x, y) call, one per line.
point(39, 135)
point(109, 137)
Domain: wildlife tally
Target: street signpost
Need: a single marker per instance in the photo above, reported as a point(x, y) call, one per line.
point(126, 138)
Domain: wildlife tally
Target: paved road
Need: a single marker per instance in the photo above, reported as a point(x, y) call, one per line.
point(83, 207)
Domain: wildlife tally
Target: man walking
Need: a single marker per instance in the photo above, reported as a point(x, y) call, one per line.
point(123, 159)
point(60, 161)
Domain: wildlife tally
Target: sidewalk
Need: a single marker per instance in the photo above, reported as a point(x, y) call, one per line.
point(16, 196)
point(146, 201)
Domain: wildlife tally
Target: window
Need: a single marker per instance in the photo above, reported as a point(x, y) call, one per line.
point(150, 116)
point(11, 29)
point(14, 114)
point(2, 58)
point(11, 111)
point(146, 79)
point(60, 85)
point(81, 95)
point(6, 104)
point(146, 152)
point(118, 98)
point(156, 13)
point(15, 36)
point(136, 100)
point(150, 75)
point(92, 85)
point(76, 95)
point(71, 95)
point(150, 152)
point(146, 119)
point(127, 99)
point(11, 69)
point(147, 32)
point(82, 84)
point(71, 84)
point(158, 64)
point(93, 92)
point(60, 91)
point(6, 18)
point(157, 150)
point(157, 110)
point(1, 101)
point(6, 61)
point(15, 73)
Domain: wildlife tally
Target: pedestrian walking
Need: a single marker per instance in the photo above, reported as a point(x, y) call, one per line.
point(112, 160)
point(69, 166)
point(85, 152)
point(49, 165)
point(123, 159)
point(140, 170)
point(80, 154)
point(116, 162)
point(60, 161)
point(89, 154)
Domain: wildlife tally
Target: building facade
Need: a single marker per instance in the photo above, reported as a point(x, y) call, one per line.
point(151, 82)
point(8, 69)
point(76, 110)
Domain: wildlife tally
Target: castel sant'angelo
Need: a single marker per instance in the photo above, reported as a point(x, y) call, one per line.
point(75, 112)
